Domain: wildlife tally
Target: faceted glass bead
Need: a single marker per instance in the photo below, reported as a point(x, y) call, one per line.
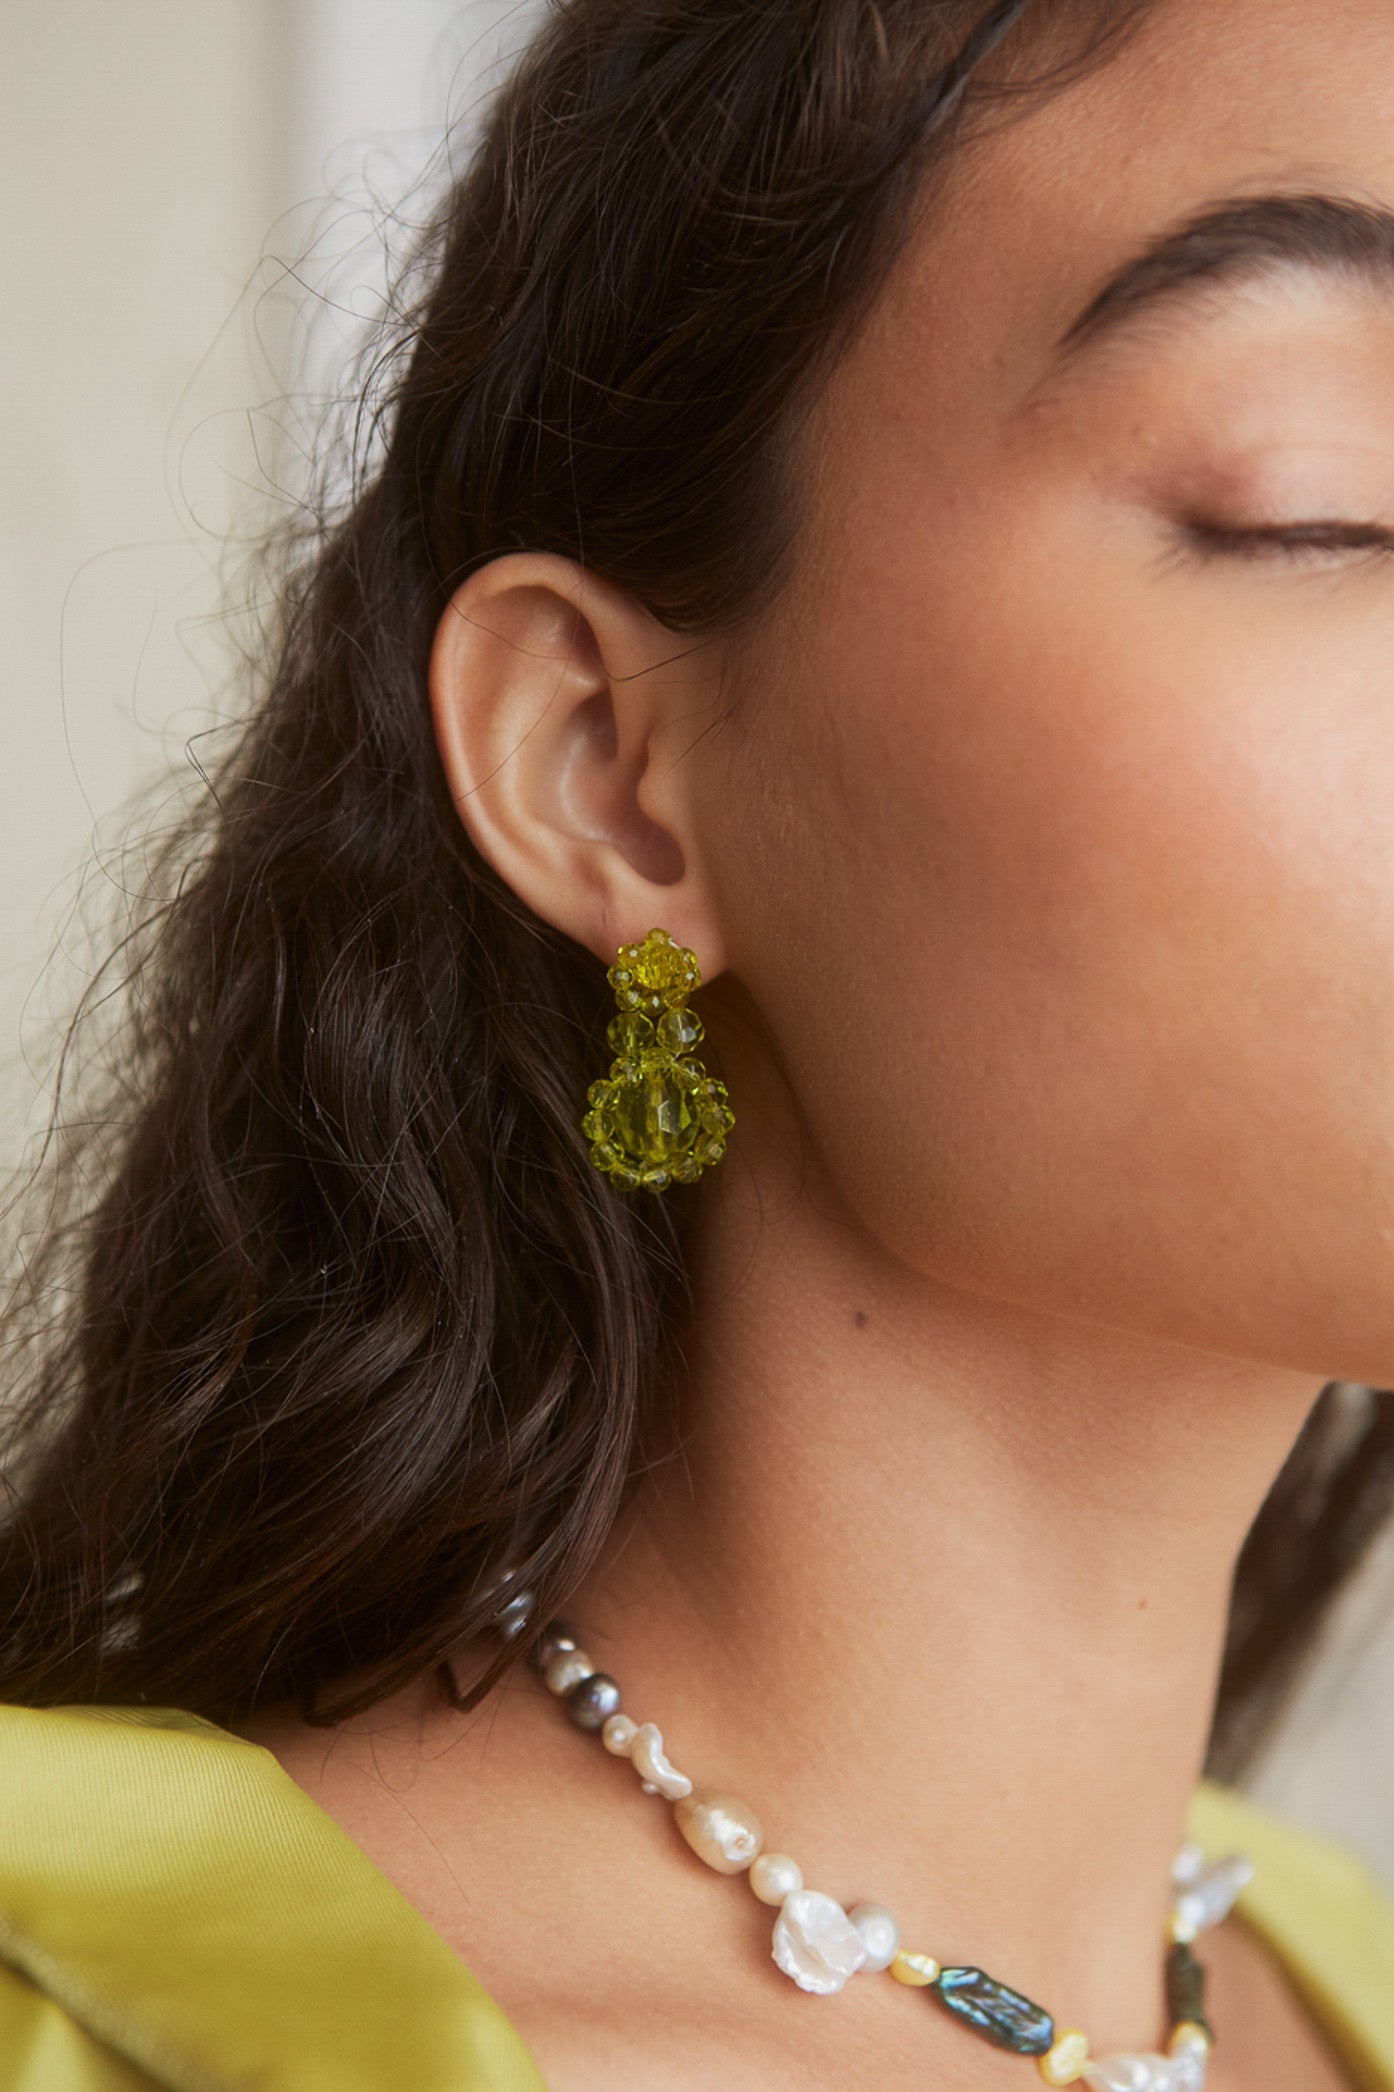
point(653, 1114)
point(630, 1033)
point(677, 1029)
point(666, 969)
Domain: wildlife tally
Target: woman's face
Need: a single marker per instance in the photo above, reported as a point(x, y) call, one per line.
point(1055, 837)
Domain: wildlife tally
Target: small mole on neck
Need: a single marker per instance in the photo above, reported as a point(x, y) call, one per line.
point(860, 1317)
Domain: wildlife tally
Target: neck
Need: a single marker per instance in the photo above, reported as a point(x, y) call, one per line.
point(939, 1586)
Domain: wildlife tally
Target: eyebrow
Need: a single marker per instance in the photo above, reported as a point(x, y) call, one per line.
point(1241, 238)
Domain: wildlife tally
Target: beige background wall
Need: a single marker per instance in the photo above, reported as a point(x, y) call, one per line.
point(141, 164)
point(161, 161)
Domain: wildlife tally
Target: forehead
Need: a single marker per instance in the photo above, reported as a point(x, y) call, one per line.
point(1207, 100)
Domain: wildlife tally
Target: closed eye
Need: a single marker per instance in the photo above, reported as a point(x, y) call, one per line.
point(1286, 540)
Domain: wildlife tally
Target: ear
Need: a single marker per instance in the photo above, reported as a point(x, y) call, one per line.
point(562, 710)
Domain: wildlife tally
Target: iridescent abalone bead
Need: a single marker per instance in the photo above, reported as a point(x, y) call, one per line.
point(591, 1703)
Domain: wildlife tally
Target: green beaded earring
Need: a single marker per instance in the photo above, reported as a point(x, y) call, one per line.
point(657, 1118)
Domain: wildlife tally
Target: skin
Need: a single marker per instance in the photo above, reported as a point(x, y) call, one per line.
point(1041, 879)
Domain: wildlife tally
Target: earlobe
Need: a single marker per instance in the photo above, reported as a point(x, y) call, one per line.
point(552, 696)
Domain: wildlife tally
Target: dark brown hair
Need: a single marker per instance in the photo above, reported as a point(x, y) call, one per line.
point(329, 1313)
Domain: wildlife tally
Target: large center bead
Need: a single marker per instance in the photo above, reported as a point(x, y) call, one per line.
point(655, 1112)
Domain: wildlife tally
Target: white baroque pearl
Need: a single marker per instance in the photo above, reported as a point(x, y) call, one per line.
point(880, 1935)
point(721, 1829)
point(1188, 2070)
point(816, 1942)
point(658, 1776)
point(1211, 1895)
point(618, 1735)
point(1122, 2074)
point(1143, 2073)
point(1187, 1865)
point(567, 1668)
point(774, 1876)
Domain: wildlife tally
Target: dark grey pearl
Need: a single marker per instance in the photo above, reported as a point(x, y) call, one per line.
point(512, 1618)
point(591, 1703)
point(556, 1636)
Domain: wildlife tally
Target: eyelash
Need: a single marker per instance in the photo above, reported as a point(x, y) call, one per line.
point(1292, 541)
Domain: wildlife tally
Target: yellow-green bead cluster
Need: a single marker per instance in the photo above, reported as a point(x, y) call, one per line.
point(654, 975)
point(657, 1118)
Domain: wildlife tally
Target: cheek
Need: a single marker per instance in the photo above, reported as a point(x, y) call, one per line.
point(1077, 929)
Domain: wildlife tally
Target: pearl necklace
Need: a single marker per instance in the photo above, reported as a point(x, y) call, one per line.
point(819, 1945)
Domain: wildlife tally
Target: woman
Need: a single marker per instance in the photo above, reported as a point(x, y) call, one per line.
point(895, 500)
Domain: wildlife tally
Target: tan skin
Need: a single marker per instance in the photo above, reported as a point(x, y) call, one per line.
point(1042, 878)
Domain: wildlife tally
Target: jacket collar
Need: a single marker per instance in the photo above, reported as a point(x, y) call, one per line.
point(185, 1902)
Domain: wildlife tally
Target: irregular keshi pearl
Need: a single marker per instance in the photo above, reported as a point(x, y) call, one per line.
point(646, 1756)
point(721, 1829)
point(880, 1935)
point(915, 1969)
point(555, 1636)
point(567, 1668)
point(618, 1735)
point(773, 1876)
point(816, 1942)
point(1064, 2064)
point(1212, 1895)
point(594, 1700)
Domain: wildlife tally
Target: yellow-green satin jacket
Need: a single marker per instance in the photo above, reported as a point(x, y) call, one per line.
point(175, 1911)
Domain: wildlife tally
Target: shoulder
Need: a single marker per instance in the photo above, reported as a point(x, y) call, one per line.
point(1324, 1918)
point(173, 1904)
